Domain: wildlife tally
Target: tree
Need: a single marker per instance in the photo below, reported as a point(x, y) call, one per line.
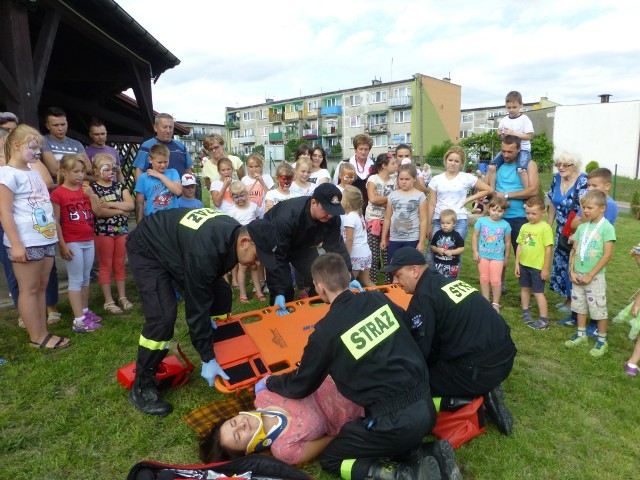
point(542, 151)
point(438, 151)
point(483, 146)
point(258, 149)
point(290, 148)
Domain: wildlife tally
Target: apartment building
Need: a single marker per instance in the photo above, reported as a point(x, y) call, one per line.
point(421, 111)
point(197, 132)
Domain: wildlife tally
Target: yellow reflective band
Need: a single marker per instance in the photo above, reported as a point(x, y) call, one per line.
point(222, 316)
point(458, 291)
point(196, 218)
point(345, 468)
point(152, 344)
point(436, 403)
point(370, 332)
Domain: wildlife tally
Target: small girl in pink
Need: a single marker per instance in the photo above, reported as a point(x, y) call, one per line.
point(257, 182)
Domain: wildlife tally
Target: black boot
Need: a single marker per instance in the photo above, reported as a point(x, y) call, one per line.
point(425, 469)
point(497, 411)
point(453, 404)
point(144, 394)
point(442, 451)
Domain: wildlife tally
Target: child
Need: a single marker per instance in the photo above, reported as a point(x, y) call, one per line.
point(518, 125)
point(346, 175)
point(301, 186)
point(491, 246)
point(257, 182)
point(533, 261)
point(111, 231)
point(244, 212)
point(631, 314)
point(592, 250)
point(447, 246)
point(74, 205)
point(380, 184)
point(26, 213)
point(405, 221)
point(158, 187)
point(220, 196)
point(188, 198)
point(284, 176)
point(354, 232)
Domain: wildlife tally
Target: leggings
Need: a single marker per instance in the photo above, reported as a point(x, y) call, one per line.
point(79, 267)
point(378, 258)
point(111, 252)
point(490, 271)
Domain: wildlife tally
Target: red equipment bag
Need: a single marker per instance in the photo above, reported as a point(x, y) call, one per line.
point(171, 372)
point(462, 425)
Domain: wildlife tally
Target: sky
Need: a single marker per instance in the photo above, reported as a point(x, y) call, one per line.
point(239, 54)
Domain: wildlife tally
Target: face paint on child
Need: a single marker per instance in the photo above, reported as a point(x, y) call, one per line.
point(285, 181)
point(31, 152)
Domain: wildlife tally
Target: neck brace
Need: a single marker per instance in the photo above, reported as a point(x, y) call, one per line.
point(261, 440)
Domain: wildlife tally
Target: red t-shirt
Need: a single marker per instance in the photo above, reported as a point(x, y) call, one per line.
point(76, 216)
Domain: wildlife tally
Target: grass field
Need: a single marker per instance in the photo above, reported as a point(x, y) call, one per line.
point(64, 416)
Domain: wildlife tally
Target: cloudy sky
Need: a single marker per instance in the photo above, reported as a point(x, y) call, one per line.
point(239, 53)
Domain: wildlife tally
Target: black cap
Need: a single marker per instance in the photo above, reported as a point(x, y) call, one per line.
point(266, 238)
point(405, 257)
point(330, 197)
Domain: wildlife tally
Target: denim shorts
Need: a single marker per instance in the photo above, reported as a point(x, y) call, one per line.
point(530, 278)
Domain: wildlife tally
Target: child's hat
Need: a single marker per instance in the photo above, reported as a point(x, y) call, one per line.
point(188, 179)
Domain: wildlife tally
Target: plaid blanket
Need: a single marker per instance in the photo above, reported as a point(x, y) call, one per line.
point(205, 417)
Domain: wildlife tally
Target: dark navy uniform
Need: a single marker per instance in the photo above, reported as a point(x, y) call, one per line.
point(368, 351)
point(300, 237)
point(467, 345)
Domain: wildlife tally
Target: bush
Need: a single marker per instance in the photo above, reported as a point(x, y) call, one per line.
point(635, 204)
point(440, 150)
point(591, 166)
point(542, 152)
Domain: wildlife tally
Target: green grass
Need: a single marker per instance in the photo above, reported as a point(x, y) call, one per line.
point(64, 416)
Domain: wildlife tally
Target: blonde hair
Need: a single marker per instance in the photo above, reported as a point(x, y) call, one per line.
point(159, 150)
point(102, 158)
point(257, 157)
point(448, 214)
point(285, 169)
point(353, 198)
point(237, 187)
point(346, 166)
point(222, 161)
point(409, 168)
point(499, 202)
point(304, 161)
point(209, 139)
point(456, 149)
point(67, 162)
point(21, 135)
point(596, 197)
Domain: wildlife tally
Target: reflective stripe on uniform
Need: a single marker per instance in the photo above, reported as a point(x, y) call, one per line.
point(345, 468)
point(152, 344)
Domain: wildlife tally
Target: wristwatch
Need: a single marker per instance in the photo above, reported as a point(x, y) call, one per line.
point(506, 195)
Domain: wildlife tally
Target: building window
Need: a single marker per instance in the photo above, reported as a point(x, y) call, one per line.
point(333, 102)
point(399, 138)
point(235, 133)
point(355, 100)
point(403, 116)
point(379, 140)
point(262, 114)
point(248, 132)
point(264, 131)
point(277, 128)
point(354, 121)
point(312, 105)
point(467, 117)
point(402, 92)
point(378, 97)
point(378, 119)
point(248, 116)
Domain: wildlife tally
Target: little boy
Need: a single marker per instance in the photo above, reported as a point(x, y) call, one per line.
point(592, 250)
point(159, 187)
point(518, 125)
point(188, 198)
point(447, 246)
point(533, 261)
point(346, 175)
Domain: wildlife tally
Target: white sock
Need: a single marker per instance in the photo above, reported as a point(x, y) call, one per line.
point(79, 319)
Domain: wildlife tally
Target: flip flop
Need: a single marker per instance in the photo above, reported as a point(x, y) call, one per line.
point(59, 344)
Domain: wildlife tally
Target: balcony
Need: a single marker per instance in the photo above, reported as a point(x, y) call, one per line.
point(248, 140)
point(379, 128)
point(292, 116)
point(331, 132)
point(275, 117)
point(400, 102)
point(310, 133)
point(275, 137)
point(232, 124)
point(311, 113)
point(335, 110)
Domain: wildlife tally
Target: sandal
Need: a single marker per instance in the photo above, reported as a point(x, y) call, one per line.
point(496, 307)
point(243, 299)
point(53, 318)
point(125, 303)
point(21, 323)
point(61, 343)
point(261, 297)
point(111, 307)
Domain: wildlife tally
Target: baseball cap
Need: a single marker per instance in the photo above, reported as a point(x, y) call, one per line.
point(405, 257)
point(329, 196)
point(188, 179)
point(264, 234)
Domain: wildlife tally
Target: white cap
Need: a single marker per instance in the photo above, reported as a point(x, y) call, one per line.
point(188, 179)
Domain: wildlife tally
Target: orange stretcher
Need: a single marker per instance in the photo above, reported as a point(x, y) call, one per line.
point(251, 345)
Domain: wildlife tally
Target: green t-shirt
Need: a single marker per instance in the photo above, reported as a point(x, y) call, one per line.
point(588, 254)
point(533, 240)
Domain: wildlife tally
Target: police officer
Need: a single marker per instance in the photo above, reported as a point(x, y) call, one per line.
point(305, 224)
point(193, 248)
point(467, 345)
point(368, 351)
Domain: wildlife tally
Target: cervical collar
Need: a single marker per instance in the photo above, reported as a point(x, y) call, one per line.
point(261, 440)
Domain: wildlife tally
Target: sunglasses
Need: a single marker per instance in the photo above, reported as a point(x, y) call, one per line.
point(564, 165)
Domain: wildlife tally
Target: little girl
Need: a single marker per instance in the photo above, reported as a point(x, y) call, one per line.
point(26, 213)
point(284, 177)
point(379, 185)
point(244, 212)
point(74, 205)
point(346, 175)
point(301, 186)
point(220, 196)
point(491, 246)
point(405, 221)
point(111, 231)
point(631, 314)
point(354, 232)
point(257, 182)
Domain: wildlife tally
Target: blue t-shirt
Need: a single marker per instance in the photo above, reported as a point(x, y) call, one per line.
point(157, 196)
point(508, 180)
point(188, 203)
point(611, 213)
point(179, 158)
point(491, 240)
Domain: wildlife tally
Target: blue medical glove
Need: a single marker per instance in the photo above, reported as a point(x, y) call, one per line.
point(210, 370)
point(214, 325)
point(279, 302)
point(355, 284)
point(261, 385)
